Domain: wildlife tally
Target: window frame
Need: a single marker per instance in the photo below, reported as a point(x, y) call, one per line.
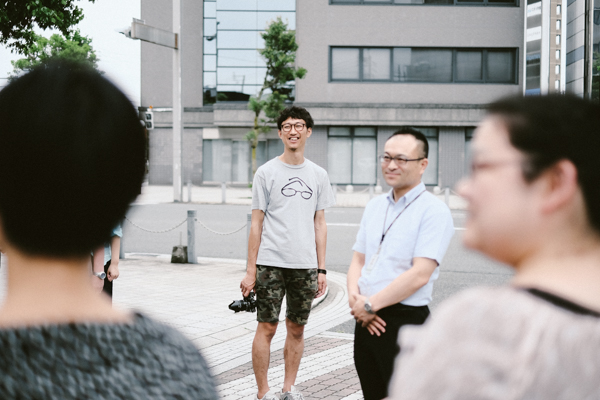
point(484, 63)
point(482, 3)
point(351, 137)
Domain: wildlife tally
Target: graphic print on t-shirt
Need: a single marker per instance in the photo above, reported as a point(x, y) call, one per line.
point(296, 186)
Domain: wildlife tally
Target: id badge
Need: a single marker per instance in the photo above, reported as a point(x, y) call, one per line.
point(374, 260)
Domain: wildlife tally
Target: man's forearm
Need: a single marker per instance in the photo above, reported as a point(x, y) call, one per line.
point(321, 242)
point(254, 239)
point(115, 249)
point(358, 261)
point(404, 285)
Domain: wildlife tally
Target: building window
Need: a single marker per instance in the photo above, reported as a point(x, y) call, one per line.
point(558, 54)
point(233, 68)
point(558, 24)
point(437, 65)
point(352, 155)
point(430, 177)
point(267, 150)
point(557, 84)
point(558, 9)
point(556, 69)
point(426, 2)
point(557, 40)
point(226, 160)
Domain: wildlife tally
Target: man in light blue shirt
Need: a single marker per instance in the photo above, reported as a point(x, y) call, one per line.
point(402, 239)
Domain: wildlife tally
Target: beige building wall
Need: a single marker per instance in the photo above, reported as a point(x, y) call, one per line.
point(321, 25)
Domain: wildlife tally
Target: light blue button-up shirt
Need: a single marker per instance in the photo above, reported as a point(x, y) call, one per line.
point(424, 229)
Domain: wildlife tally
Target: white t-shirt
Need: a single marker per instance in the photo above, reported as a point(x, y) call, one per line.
point(289, 195)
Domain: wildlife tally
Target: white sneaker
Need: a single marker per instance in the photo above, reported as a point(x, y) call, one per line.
point(293, 394)
point(269, 396)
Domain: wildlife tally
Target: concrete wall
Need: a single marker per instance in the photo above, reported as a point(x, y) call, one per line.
point(321, 25)
point(394, 114)
point(161, 146)
point(157, 61)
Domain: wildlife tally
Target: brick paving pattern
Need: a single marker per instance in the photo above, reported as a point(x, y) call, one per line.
point(337, 384)
point(194, 300)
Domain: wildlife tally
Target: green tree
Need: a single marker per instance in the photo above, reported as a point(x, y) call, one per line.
point(280, 56)
point(19, 17)
point(76, 48)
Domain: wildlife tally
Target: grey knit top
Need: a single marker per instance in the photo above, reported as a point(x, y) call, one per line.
point(501, 343)
point(140, 360)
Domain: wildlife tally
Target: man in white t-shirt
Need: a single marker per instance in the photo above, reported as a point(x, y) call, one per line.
point(286, 248)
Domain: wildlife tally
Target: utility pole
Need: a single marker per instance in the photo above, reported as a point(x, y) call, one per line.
point(177, 109)
point(139, 30)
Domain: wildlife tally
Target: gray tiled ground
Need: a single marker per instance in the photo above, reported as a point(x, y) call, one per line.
point(194, 299)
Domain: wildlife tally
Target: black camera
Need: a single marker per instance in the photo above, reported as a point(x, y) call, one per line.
point(248, 304)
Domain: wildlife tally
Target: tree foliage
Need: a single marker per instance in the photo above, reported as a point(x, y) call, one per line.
point(19, 17)
point(280, 56)
point(76, 49)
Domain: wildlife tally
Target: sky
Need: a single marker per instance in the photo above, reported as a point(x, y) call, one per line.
point(119, 56)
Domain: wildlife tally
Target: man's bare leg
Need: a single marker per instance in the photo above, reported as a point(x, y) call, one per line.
point(261, 354)
point(292, 352)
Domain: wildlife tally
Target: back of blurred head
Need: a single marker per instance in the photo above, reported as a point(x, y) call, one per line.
point(548, 129)
point(71, 160)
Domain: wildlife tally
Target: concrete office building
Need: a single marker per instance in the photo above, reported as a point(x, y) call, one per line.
point(583, 47)
point(372, 66)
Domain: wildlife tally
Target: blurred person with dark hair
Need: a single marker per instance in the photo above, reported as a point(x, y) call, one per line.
point(533, 203)
point(66, 134)
point(401, 242)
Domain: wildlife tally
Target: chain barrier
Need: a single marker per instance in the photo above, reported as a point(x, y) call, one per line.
point(220, 233)
point(151, 231)
point(183, 222)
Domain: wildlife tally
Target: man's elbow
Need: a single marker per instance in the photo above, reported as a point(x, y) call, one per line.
point(421, 280)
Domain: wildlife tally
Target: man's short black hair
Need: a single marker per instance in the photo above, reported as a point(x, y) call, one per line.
point(407, 130)
point(297, 113)
point(71, 160)
point(548, 129)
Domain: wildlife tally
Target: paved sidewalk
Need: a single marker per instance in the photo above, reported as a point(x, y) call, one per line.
point(195, 299)
point(156, 194)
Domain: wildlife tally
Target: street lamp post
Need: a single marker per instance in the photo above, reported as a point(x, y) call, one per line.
point(139, 30)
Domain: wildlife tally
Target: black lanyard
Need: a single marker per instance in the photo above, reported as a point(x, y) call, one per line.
point(385, 231)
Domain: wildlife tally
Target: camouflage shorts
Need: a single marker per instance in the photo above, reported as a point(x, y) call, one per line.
point(272, 283)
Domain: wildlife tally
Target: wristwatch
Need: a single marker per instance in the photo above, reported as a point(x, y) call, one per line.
point(368, 307)
point(100, 275)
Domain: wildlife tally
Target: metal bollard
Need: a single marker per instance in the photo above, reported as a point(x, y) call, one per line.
point(447, 196)
point(248, 225)
point(191, 237)
point(189, 185)
point(223, 193)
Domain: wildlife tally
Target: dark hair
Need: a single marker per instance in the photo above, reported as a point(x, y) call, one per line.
point(551, 128)
point(71, 159)
point(407, 130)
point(297, 113)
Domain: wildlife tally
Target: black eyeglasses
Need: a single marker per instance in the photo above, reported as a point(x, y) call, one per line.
point(399, 160)
point(288, 127)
